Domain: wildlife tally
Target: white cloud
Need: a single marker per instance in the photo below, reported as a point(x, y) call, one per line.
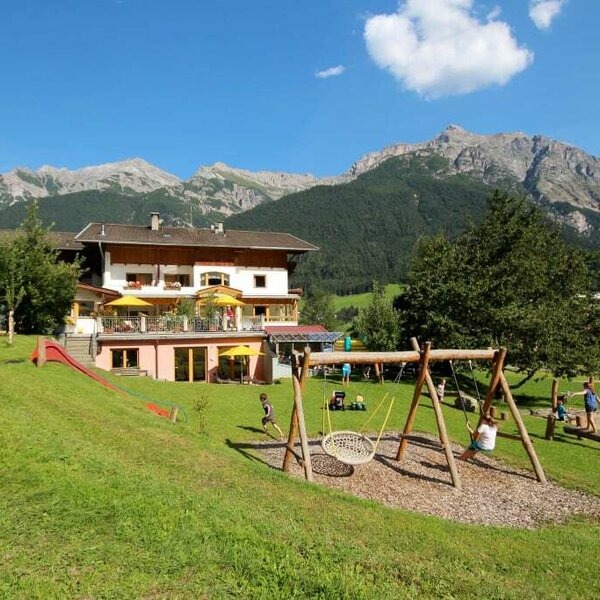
point(331, 72)
point(543, 12)
point(439, 47)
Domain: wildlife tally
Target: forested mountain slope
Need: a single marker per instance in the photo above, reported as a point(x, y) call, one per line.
point(366, 229)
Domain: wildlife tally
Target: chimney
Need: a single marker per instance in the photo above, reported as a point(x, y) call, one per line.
point(102, 230)
point(154, 221)
point(219, 228)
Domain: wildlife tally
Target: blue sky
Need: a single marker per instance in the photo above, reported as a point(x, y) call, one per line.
point(184, 83)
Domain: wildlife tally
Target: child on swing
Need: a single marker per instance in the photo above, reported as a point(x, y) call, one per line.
point(482, 440)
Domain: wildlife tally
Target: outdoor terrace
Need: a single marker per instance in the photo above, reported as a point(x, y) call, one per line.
point(174, 324)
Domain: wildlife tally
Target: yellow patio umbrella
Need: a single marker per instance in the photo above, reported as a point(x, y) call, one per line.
point(241, 351)
point(128, 301)
point(223, 300)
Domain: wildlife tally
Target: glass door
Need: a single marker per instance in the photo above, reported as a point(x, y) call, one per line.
point(182, 364)
point(190, 364)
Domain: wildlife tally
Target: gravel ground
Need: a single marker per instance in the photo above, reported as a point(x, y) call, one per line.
point(492, 493)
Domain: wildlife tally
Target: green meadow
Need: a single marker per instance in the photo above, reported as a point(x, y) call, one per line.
point(103, 499)
point(361, 300)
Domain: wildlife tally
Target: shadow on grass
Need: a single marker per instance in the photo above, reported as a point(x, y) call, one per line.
point(564, 438)
point(14, 361)
point(251, 429)
point(243, 448)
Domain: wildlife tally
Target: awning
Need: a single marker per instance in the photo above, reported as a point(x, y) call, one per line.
point(321, 336)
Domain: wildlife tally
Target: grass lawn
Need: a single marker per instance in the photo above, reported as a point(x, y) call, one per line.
point(361, 300)
point(102, 499)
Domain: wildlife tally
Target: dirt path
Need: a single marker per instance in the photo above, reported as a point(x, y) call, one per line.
point(492, 493)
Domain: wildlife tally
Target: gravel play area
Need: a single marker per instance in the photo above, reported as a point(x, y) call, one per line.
point(492, 493)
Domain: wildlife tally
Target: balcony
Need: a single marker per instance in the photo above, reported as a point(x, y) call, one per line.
point(172, 324)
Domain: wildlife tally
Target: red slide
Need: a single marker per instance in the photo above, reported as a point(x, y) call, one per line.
point(56, 353)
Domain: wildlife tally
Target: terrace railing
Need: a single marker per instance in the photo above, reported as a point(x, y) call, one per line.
point(253, 323)
point(173, 324)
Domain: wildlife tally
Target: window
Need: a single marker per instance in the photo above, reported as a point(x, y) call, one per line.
point(260, 311)
point(142, 278)
point(183, 279)
point(260, 281)
point(124, 359)
point(214, 278)
point(86, 308)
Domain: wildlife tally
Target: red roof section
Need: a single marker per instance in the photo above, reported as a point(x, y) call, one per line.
point(295, 329)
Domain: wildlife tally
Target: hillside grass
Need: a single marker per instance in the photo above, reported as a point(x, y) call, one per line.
point(102, 499)
point(361, 300)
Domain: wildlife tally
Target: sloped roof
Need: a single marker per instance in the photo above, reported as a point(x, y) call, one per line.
point(179, 236)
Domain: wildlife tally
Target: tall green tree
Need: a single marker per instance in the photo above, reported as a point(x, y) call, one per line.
point(378, 323)
point(48, 283)
point(511, 281)
point(12, 288)
point(318, 309)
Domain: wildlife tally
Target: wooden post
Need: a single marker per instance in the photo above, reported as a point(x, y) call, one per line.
point(503, 416)
point(537, 467)
point(41, 350)
point(578, 421)
point(554, 395)
point(298, 382)
point(441, 424)
point(550, 426)
point(173, 415)
point(293, 431)
point(497, 366)
point(412, 413)
point(493, 412)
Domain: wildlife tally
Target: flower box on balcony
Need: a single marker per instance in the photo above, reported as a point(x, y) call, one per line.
point(172, 285)
point(133, 285)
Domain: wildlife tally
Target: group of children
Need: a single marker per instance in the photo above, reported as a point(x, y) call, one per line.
point(483, 439)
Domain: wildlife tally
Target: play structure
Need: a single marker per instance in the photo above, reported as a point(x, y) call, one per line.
point(355, 447)
point(49, 351)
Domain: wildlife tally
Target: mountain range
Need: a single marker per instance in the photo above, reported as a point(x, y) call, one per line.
point(557, 176)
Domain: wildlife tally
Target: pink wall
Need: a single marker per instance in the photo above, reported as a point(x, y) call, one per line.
point(164, 350)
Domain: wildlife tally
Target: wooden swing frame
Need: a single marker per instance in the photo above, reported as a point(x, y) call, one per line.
point(302, 363)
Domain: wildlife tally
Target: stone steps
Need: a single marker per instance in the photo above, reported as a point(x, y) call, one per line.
point(79, 348)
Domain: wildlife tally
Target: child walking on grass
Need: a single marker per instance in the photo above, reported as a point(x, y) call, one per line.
point(269, 416)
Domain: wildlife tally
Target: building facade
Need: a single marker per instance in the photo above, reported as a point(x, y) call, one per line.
point(170, 302)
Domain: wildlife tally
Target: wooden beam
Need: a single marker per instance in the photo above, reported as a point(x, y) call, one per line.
point(582, 433)
point(441, 424)
point(554, 394)
point(369, 358)
point(537, 467)
point(298, 383)
point(41, 351)
point(410, 419)
point(497, 367)
point(550, 427)
point(293, 431)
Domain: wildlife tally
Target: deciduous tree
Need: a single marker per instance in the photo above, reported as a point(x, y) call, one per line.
point(46, 285)
point(378, 323)
point(318, 309)
point(510, 281)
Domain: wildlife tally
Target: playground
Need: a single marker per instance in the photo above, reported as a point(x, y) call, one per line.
point(103, 498)
point(492, 493)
